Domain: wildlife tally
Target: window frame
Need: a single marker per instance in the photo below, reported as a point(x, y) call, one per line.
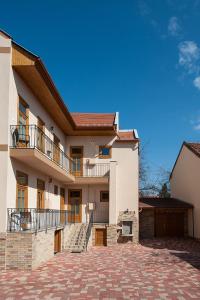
point(101, 198)
point(105, 156)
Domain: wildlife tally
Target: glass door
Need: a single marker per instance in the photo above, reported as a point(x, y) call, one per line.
point(76, 154)
point(75, 206)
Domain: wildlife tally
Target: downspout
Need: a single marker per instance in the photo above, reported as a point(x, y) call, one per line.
point(193, 220)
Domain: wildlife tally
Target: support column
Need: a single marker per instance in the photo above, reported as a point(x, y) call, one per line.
point(113, 193)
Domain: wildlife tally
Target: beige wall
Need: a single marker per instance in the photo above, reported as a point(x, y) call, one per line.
point(123, 184)
point(185, 185)
point(91, 193)
point(51, 201)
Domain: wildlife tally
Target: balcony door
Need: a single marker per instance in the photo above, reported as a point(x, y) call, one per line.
point(75, 206)
point(56, 149)
point(22, 190)
point(40, 135)
point(62, 204)
point(22, 134)
point(40, 194)
point(76, 154)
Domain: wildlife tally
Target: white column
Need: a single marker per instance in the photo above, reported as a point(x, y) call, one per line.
point(5, 68)
point(113, 193)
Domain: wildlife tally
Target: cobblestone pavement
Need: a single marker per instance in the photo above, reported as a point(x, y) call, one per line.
point(155, 269)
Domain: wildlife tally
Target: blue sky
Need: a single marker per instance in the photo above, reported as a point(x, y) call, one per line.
point(139, 57)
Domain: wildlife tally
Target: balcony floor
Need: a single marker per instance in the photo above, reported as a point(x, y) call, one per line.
point(37, 160)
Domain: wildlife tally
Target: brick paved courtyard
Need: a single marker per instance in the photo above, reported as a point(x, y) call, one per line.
point(167, 269)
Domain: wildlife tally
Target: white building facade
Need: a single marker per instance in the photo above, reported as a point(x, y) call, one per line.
point(75, 167)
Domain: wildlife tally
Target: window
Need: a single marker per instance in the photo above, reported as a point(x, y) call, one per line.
point(104, 196)
point(104, 152)
point(55, 190)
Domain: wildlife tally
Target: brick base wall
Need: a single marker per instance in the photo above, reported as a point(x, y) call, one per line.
point(2, 250)
point(27, 250)
point(19, 251)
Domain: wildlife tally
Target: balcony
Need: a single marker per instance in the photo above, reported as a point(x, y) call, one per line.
point(30, 145)
point(32, 219)
point(90, 172)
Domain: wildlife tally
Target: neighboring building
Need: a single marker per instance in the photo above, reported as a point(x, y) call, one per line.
point(185, 185)
point(61, 172)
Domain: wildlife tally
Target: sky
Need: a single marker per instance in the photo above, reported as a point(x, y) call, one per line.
point(140, 58)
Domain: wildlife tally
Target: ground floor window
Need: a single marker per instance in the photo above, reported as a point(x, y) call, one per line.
point(104, 196)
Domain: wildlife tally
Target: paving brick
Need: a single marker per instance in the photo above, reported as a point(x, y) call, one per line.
point(154, 269)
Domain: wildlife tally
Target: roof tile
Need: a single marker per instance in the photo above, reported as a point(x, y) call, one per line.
point(94, 119)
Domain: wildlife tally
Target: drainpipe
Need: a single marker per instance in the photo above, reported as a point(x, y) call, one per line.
point(193, 220)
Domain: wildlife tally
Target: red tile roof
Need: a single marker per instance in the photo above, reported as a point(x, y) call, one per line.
point(126, 136)
point(156, 202)
point(194, 147)
point(93, 119)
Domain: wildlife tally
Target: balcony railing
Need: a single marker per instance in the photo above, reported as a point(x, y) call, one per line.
point(90, 170)
point(32, 137)
point(32, 219)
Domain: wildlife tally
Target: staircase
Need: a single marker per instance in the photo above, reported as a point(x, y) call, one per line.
point(76, 241)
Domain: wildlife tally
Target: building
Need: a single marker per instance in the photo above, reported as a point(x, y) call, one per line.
point(184, 182)
point(163, 217)
point(66, 179)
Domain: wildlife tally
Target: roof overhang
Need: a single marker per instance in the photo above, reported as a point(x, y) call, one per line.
point(33, 72)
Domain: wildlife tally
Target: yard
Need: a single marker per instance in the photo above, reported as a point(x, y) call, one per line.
point(155, 269)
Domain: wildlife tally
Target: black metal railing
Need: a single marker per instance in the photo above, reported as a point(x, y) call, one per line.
point(88, 231)
point(31, 136)
point(90, 170)
point(32, 219)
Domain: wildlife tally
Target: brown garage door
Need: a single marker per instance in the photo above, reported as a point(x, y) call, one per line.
point(100, 237)
point(169, 224)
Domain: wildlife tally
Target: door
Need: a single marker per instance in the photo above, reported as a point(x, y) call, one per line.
point(169, 224)
point(40, 194)
point(76, 154)
point(24, 215)
point(22, 130)
point(22, 190)
point(56, 149)
point(75, 206)
point(100, 237)
point(62, 206)
point(40, 135)
point(57, 241)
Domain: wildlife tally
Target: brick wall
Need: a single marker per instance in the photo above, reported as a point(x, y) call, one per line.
point(19, 251)
point(146, 221)
point(26, 250)
point(2, 250)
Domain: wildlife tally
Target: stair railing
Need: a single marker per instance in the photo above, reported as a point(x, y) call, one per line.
point(88, 231)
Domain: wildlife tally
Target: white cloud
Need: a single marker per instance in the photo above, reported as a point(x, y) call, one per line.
point(144, 8)
point(174, 28)
point(196, 82)
point(189, 54)
point(196, 127)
